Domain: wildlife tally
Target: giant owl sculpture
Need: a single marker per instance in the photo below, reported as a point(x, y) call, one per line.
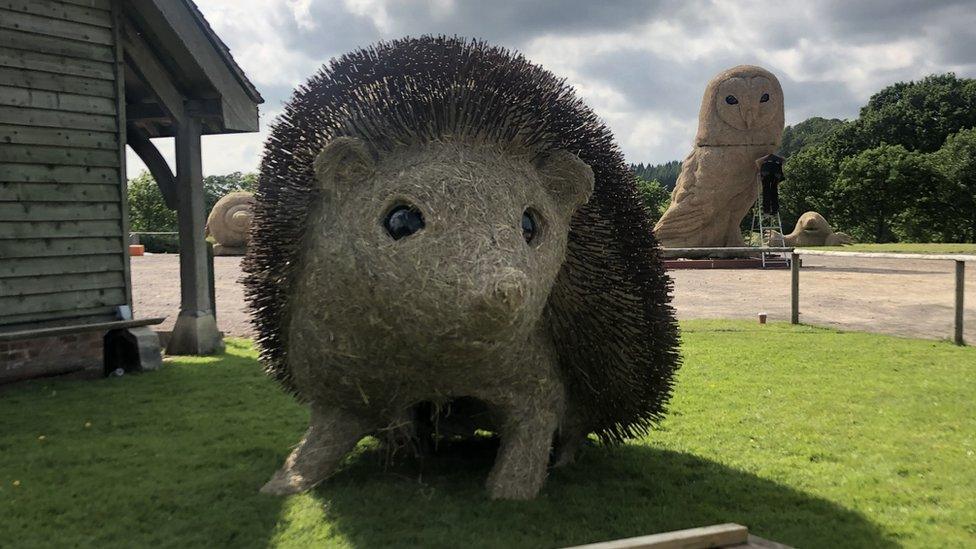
point(741, 119)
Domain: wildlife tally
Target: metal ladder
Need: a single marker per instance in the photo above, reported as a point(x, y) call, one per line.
point(764, 222)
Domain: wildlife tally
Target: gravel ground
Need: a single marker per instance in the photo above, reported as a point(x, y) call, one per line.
point(900, 297)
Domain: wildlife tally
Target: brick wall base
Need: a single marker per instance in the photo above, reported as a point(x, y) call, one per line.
point(81, 354)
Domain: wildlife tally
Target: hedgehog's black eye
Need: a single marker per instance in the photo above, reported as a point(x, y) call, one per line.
point(528, 225)
point(731, 100)
point(403, 221)
point(764, 98)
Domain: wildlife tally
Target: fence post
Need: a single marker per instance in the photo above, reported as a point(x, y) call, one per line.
point(794, 288)
point(960, 299)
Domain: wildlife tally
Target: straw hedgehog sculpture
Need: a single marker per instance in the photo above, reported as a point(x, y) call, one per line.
point(442, 225)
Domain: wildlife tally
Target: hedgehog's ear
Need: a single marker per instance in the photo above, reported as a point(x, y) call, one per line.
point(342, 161)
point(567, 178)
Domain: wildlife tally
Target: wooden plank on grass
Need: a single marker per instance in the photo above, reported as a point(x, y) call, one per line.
point(34, 173)
point(58, 211)
point(37, 266)
point(57, 192)
point(33, 135)
point(720, 535)
point(40, 80)
point(32, 285)
point(43, 303)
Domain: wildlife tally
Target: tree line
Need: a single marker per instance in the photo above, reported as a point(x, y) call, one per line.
point(148, 211)
point(904, 170)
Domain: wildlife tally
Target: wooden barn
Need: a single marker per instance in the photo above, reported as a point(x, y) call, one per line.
point(80, 80)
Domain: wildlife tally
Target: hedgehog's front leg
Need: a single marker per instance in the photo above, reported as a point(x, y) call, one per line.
point(527, 431)
point(332, 433)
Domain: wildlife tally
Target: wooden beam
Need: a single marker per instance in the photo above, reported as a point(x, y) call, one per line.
point(10, 230)
point(57, 64)
point(157, 165)
point(55, 27)
point(60, 156)
point(51, 247)
point(794, 288)
point(37, 266)
point(80, 328)
point(58, 211)
point(36, 135)
point(239, 111)
point(55, 45)
point(889, 255)
point(120, 129)
point(39, 99)
point(59, 10)
point(140, 58)
point(56, 119)
point(57, 192)
point(960, 301)
point(720, 535)
point(195, 331)
point(57, 283)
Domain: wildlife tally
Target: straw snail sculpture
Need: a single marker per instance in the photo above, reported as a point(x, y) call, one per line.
point(229, 223)
point(444, 233)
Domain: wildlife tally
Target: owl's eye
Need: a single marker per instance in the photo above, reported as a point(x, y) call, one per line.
point(764, 98)
point(403, 221)
point(731, 100)
point(528, 226)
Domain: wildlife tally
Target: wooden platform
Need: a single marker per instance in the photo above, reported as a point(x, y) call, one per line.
point(731, 263)
point(719, 536)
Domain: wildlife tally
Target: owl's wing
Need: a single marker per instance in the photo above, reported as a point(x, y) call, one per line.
point(685, 216)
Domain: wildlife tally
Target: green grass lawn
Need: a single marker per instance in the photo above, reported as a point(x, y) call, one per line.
point(810, 437)
point(907, 248)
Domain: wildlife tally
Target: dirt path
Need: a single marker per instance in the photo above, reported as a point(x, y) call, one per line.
point(900, 297)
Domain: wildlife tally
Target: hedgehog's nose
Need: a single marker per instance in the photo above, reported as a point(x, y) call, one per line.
point(503, 295)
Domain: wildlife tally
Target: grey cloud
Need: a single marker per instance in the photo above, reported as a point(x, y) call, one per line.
point(656, 84)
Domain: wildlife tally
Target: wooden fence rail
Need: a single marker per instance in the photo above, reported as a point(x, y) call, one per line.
point(795, 253)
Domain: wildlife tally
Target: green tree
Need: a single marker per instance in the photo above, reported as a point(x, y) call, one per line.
point(873, 189)
point(918, 115)
point(147, 209)
point(956, 161)
point(811, 131)
point(666, 174)
point(656, 198)
point(810, 175)
point(216, 186)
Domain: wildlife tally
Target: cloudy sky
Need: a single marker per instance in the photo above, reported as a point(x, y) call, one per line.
point(641, 65)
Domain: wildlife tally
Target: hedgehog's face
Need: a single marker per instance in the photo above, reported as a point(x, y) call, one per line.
point(447, 246)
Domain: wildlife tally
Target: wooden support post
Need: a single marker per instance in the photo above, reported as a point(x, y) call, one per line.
point(960, 300)
point(794, 288)
point(195, 332)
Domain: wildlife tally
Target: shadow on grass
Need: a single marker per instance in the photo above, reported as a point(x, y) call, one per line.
point(609, 493)
point(176, 457)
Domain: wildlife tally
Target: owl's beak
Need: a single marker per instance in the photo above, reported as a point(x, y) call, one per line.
point(750, 118)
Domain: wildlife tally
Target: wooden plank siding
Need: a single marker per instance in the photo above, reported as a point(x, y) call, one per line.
point(39, 80)
point(62, 221)
point(79, 139)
